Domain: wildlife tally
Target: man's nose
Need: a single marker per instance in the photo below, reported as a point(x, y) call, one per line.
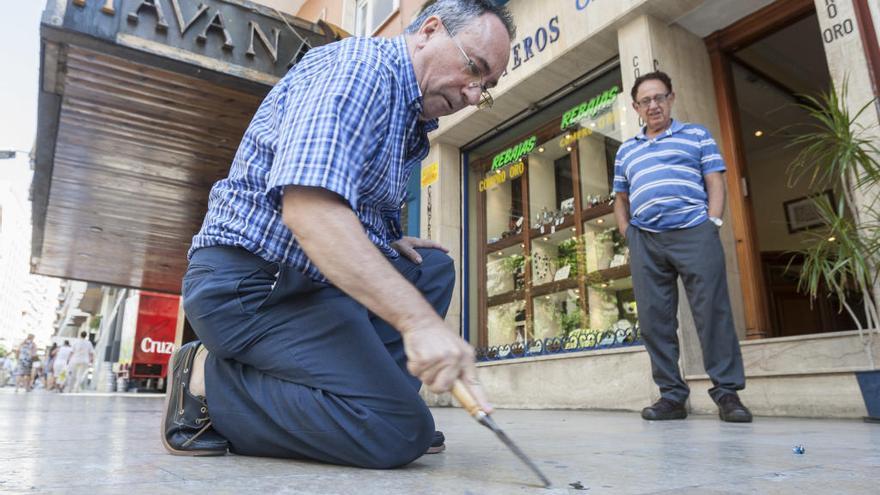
point(472, 93)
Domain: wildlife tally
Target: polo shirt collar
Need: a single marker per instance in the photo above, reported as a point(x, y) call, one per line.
point(674, 127)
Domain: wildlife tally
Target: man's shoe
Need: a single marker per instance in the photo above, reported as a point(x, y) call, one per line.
point(730, 409)
point(186, 425)
point(665, 409)
point(438, 443)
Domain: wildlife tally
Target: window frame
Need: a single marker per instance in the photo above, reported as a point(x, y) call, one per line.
point(371, 27)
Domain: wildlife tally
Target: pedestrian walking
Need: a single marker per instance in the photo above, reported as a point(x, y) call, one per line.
point(49, 369)
point(7, 368)
point(60, 366)
point(26, 353)
point(81, 357)
point(669, 202)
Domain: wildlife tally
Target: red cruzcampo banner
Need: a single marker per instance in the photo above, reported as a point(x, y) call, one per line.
point(154, 337)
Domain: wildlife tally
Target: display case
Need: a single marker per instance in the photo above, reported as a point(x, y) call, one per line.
point(553, 270)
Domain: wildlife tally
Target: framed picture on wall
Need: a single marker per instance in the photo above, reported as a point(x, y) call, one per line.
point(801, 213)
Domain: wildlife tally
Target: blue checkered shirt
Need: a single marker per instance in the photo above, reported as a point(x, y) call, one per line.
point(664, 176)
point(345, 119)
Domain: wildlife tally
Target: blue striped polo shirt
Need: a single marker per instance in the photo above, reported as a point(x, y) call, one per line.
point(346, 118)
point(664, 176)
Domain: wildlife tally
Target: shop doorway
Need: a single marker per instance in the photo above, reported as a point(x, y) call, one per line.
point(764, 65)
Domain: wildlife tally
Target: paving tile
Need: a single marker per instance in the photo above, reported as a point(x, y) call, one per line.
point(104, 443)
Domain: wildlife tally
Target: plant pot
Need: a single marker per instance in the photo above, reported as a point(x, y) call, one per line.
point(869, 383)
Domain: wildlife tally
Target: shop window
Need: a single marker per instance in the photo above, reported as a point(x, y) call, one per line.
point(556, 273)
point(409, 213)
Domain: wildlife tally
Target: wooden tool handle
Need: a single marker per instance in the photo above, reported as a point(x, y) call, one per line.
point(464, 396)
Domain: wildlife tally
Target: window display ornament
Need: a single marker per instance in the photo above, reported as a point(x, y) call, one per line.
point(514, 226)
point(597, 199)
point(562, 273)
point(542, 266)
point(566, 206)
point(547, 217)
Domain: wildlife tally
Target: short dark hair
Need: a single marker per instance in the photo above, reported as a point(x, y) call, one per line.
point(657, 75)
point(83, 334)
point(457, 13)
point(66, 342)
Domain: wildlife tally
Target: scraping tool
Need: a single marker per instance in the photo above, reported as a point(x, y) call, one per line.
point(463, 395)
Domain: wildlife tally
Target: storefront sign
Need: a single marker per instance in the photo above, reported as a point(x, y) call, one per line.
point(838, 29)
point(536, 42)
point(430, 174)
point(525, 49)
point(428, 214)
point(150, 346)
point(591, 108)
point(513, 154)
point(156, 327)
point(217, 29)
point(499, 177)
point(572, 137)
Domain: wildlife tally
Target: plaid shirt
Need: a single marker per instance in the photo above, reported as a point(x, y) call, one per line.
point(345, 119)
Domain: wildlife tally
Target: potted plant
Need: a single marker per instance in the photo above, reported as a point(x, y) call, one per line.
point(515, 265)
point(839, 153)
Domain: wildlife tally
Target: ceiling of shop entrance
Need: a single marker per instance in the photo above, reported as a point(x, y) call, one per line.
point(137, 151)
point(770, 77)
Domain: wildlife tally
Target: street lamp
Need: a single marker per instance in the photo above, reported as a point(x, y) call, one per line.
point(9, 154)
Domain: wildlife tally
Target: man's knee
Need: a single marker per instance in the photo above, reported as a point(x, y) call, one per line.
point(412, 443)
point(437, 267)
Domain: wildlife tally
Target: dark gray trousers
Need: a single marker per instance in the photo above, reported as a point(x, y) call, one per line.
point(696, 255)
point(299, 369)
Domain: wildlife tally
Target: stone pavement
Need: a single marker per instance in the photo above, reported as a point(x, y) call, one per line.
point(109, 443)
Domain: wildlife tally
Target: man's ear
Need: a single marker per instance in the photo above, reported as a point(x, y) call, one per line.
point(430, 28)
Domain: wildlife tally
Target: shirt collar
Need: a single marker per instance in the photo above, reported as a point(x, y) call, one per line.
point(674, 127)
point(411, 90)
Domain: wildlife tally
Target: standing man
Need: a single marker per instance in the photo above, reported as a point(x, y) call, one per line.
point(669, 202)
point(318, 320)
point(81, 357)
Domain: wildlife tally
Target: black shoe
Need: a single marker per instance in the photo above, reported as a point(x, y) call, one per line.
point(438, 443)
point(730, 409)
point(665, 409)
point(186, 426)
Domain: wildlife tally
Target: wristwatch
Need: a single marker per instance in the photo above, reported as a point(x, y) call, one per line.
point(717, 221)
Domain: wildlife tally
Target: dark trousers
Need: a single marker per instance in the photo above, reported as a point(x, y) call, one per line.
point(298, 369)
point(695, 255)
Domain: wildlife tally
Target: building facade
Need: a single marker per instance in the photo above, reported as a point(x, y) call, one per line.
point(522, 194)
point(26, 301)
point(519, 193)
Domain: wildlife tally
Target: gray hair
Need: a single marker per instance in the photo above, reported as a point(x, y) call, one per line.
point(456, 14)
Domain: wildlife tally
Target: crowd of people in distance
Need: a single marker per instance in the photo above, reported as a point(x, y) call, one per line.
point(57, 368)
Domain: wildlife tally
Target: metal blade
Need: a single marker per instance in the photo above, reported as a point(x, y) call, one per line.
point(490, 423)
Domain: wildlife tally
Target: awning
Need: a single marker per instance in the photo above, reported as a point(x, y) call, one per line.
point(142, 106)
point(91, 299)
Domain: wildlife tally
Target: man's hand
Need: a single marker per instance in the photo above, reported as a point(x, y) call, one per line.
point(333, 238)
point(406, 246)
point(715, 190)
point(438, 357)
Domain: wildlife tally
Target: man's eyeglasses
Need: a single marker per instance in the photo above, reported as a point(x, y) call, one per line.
point(658, 99)
point(486, 100)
